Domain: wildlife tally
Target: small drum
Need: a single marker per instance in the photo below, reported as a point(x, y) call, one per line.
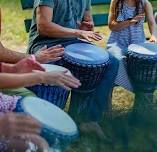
point(87, 62)
point(142, 65)
point(54, 94)
point(56, 124)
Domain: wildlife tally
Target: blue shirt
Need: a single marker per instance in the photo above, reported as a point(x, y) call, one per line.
point(65, 13)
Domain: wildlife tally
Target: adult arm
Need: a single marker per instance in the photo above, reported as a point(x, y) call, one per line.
point(10, 56)
point(8, 80)
point(46, 27)
point(43, 56)
point(87, 22)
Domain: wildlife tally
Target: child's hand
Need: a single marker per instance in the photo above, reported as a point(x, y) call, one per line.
point(153, 39)
point(59, 79)
point(27, 65)
point(137, 18)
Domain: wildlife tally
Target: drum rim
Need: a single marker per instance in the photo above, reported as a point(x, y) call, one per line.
point(130, 50)
point(96, 62)
point(142, 56)
point(47, 127)
point(54, 65)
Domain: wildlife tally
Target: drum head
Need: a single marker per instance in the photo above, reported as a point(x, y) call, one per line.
point(50, 116)
point(86, 53)
point(55, 68)
point(149, 49)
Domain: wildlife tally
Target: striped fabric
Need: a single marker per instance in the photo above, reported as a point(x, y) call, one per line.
point(120, 40)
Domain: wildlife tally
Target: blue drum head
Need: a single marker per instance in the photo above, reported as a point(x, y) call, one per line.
point(50, 116)
point(86, 53)
point(148, 49)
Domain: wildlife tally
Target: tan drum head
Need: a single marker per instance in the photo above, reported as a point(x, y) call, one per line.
point(55, 68)
point(149, 49)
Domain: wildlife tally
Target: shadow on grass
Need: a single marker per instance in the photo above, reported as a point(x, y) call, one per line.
point(133, 130)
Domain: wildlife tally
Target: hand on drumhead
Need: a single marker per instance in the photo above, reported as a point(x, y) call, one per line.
point(59, 79)
point(67, 81)
point(153, 39)
point(45, 55)
point(26, 65)
point(90, 35)
point(14, 125)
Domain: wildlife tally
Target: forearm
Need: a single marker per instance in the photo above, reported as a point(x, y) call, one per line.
point(19, 80)
point(10, 56)
point(117, 26)
point(57, 31)
point(153, 29)
point(7, 68)
point(88, 16)
point(150, 18)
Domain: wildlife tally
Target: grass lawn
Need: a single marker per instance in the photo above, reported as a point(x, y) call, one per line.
point(140, 136)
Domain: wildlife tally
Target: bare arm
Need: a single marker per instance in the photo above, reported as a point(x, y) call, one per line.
point(151, 21)
point(43, 56)
point(0, 21)
point(9, 56)
point(87, 23)
point(88, 16)
point(19, 80)
point(44, 15)
point(113, 24)
point(9, 80)
point(45, 27)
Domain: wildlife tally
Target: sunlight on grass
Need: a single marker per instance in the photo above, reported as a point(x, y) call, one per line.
point(13, 30)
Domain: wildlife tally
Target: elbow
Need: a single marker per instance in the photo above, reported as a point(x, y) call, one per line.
point(112, 27)
point(42, 28)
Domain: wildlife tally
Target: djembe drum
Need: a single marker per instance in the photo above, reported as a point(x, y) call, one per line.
point(88, 63)
point(142, 70)
point(57, 126)
point(142, 66)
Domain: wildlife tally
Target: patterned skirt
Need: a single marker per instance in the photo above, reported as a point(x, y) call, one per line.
point(122, 78)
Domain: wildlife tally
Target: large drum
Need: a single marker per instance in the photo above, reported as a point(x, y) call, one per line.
point(142, 65)
point(54, 94)
point(56, 124)
point(87, 62)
